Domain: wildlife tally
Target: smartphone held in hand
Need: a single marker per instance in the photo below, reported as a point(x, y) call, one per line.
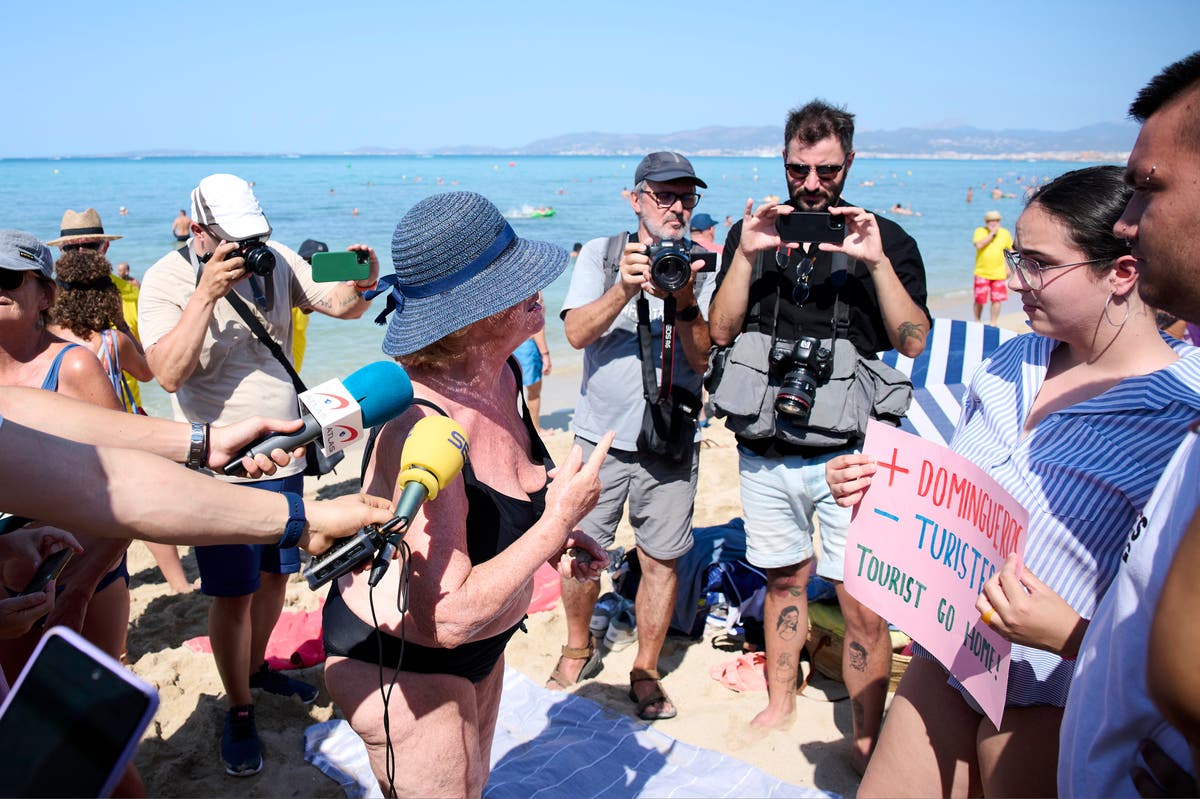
point(332, 267)
point(811, 226)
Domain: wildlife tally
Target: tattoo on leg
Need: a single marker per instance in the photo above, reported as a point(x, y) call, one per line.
point(785, 669)
point(909, 330)
point(788, 624)
point(858, 656)
point(860, 715)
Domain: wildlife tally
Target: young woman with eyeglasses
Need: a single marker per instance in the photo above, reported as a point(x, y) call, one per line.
point(1077, 421)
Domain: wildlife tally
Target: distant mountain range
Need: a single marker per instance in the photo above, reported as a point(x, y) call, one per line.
point(1104, 141)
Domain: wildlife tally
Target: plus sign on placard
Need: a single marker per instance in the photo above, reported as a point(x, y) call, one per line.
point(892, 467)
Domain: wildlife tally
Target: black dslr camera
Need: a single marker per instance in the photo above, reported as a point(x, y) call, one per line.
point(805, 365)
point(671, 263)
point(258, 257)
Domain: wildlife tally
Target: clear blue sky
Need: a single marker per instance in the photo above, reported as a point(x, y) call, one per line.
point(303, 77)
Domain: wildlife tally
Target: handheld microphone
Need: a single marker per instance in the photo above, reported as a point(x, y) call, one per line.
point(433, 455)
point(380, 390)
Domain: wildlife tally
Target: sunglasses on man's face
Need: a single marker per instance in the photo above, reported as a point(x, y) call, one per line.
point(85, 245)
point(824, 171)
point(12, 279)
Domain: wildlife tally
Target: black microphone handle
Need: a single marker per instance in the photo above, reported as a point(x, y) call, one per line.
point(284, 441)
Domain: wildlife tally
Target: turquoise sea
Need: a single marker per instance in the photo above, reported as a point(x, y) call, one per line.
point(315, 197)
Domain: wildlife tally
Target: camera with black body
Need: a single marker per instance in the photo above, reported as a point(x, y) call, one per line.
point(805, 365)
point(671, 263)
point(259, 260)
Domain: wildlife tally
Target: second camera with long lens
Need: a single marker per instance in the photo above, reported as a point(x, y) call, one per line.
point(805, 365)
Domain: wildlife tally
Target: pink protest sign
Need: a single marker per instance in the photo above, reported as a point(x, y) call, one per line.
point(929, 532)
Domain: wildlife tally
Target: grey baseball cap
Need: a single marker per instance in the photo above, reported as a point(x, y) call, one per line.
point(24, 252)
point(664, 167)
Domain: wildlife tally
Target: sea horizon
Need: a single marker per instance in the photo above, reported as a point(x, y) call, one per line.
point(318, 196)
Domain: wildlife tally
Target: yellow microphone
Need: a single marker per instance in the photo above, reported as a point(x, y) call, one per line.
point(433, 455)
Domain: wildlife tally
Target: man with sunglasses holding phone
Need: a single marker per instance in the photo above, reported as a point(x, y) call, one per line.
point(600, 317)
point(788, 290)
point(207, 355)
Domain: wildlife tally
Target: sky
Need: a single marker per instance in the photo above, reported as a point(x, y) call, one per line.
point(309, 77)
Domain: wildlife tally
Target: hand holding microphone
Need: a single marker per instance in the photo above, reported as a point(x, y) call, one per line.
point(433, 455)
point(381, 389)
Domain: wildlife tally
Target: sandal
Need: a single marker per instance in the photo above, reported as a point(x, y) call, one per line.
point(657, 695)
point(591, 667)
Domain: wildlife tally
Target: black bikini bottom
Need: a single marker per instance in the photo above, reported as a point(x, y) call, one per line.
point(347, 635)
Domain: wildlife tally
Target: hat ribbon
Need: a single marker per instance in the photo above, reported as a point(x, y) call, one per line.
point(398, 293)
point(80, 231)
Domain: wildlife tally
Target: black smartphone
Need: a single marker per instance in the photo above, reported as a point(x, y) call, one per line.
point(72, 721)
point(811, 226)
point(331, 267)
point(49, 569)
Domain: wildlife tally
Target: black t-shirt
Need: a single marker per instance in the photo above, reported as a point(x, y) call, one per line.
point(814, 317)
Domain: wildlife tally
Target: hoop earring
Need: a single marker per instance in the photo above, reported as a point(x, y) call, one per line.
point(1108, 318)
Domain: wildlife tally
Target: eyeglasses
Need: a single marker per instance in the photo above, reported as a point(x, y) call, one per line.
point(83, 245)
point(824, 171)
point(665, 199)
point(12, 279)
point(1031, 270)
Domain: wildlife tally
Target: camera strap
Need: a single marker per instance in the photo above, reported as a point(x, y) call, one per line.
point(650, 385)
point(256, 327)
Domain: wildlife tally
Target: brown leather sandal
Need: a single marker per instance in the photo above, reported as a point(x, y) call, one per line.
point(591, 667)
point(657, 695)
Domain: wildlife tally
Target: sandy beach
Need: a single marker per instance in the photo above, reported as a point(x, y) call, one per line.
point(178, 756)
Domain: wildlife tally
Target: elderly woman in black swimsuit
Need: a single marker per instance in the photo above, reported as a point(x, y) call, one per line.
point(464, 296)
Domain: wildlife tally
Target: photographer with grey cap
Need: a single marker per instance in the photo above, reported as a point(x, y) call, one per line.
point(210, 360)
point(613, 289)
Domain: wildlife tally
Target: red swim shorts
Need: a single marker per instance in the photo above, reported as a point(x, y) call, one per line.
point(990, 290)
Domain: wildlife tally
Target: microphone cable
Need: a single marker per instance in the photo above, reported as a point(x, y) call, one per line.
point(404, 553)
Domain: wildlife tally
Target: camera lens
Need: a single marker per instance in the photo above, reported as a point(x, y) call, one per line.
point(669, 270)
point(795, 397)
point(259, 260)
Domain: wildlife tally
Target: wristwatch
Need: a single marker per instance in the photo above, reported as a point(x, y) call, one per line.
point(688, 314)
point(197, 455)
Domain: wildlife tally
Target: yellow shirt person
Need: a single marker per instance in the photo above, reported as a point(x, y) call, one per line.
point(991, 273)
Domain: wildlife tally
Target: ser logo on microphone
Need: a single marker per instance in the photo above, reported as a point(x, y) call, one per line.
point(458, 441)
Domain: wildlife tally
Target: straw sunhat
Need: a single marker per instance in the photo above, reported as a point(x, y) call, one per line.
point(80, 226)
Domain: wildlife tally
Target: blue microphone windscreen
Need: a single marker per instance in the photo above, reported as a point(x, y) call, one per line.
point(383, 390)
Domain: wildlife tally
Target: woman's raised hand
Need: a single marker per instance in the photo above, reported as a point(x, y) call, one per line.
point(575, 486)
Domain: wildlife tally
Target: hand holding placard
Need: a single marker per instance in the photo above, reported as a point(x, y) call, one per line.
point(931, 530)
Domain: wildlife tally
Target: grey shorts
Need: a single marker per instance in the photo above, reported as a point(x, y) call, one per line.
point(661, 498)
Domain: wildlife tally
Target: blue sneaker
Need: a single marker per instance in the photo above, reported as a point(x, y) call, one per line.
point(240, 747)
point(274, 682)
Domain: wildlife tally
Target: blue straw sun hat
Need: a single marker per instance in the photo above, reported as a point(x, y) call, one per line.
point(457, 261)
